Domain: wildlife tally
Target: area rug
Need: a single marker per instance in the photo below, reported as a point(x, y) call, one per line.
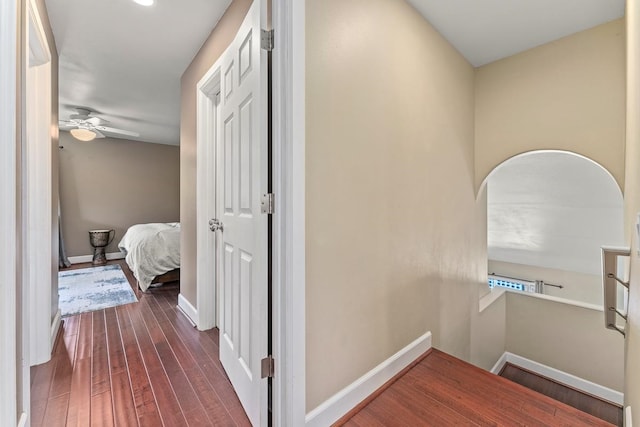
point(94, 288)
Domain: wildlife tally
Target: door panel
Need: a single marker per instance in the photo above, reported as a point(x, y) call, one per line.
point(242, 180)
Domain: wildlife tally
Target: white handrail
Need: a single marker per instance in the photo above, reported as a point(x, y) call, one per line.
point(610, 282)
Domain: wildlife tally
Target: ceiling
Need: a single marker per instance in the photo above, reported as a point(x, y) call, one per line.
point(124, 61)
point(553, 210)
point(484, 31)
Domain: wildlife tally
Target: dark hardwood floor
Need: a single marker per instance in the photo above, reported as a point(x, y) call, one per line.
point(586, 403)
point(440, 390)
point(140, 364)
point(144, 364)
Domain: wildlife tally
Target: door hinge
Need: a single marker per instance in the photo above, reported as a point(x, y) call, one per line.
point(266, 40)
point(267, 203)
point(268, 367)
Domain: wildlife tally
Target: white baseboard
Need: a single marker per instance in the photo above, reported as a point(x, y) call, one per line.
point(562, 377)
point(22, 421)
point(627, 417)
point(500, 364)
point(187, 309)
point(88, 258)
point(349, 397)
point(55, 327)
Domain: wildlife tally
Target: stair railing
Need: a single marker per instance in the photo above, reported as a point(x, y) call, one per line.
point(610, 283)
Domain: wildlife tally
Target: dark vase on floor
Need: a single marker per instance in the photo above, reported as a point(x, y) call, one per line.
point(100, 239)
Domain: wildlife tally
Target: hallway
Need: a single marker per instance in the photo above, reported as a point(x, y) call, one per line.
point(137, 364)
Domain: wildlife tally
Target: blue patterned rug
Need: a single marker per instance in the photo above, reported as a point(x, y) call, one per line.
point(94, 288)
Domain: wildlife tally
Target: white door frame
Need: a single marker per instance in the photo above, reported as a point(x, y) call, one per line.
point(289, 387)
point(289, 392)
point(206, 175)
point(41, 260)
point(12, 59)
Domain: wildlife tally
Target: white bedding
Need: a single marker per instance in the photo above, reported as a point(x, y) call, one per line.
point(152, 249)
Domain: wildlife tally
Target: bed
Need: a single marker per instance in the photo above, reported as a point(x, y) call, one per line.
point(152, 252)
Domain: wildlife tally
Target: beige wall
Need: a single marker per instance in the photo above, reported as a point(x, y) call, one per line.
point(220, 37)
point(115, 183)
point(565, 95)
point(489, 334)
point(632, 207)
point(577, 286)
point(394, 242)
point(569, 338)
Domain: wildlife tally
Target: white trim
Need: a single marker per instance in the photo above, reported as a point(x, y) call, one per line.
point(55, 327)
point(628, 422)
point(10, 64)
point(562, 377)
point(499, 364)
point(496, 293)
point(207, 116)
point(571, 302)
point(487, 300)
point(22, 422)
point(81, 259)
point(37, 191)
point(289, 338)
point(349, 397)
point(187, 309)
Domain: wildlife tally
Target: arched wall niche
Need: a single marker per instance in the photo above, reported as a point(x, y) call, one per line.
point(548, 214)
point(482, 182)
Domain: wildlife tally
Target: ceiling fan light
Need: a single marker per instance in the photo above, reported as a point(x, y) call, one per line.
point(145, 2)
point(83, 134)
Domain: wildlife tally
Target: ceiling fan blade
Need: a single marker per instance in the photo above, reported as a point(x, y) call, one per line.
point(67, 126)
point(78, 117)
point(83, 113)
point(98, 133)
point(116, 131)
point(96, 121)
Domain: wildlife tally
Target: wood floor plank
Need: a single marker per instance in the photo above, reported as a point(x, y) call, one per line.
point(41, 380)
point(56, 412)
point(123, 404)
point(413, 410)
point(100, 378)
point(485, 409)
point(102, 409)
point(38, 409)
point(124, 410)
point(204, 390)
point(189, 402)
point(138, 364)
point(143, 396)
point(61, 382)
point(167, 401)
point(71, 325)
point(584, 402)
point(186, 395)
point(206, 354)
point(79, 411)
point(442, 390)
point(508, 399)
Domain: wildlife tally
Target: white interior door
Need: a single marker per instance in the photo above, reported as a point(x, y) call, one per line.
point(243, 239)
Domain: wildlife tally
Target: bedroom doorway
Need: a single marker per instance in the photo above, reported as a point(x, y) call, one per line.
point(233, 238)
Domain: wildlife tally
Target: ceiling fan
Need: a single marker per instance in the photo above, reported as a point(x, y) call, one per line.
point(85, 127)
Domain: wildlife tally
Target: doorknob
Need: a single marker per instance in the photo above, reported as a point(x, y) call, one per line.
point(215, 225)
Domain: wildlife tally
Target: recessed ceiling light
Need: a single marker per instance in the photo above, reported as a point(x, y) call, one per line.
point(145, 2)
